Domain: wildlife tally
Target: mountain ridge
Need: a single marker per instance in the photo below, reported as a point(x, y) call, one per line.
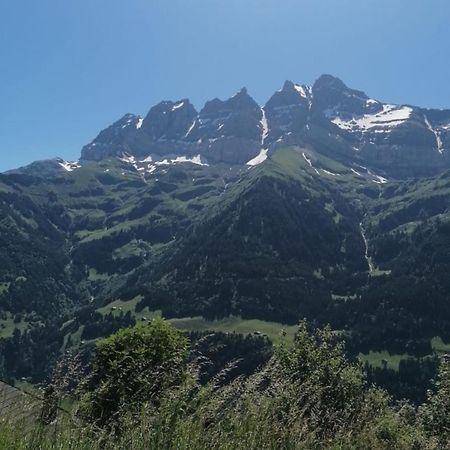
point(402, 141)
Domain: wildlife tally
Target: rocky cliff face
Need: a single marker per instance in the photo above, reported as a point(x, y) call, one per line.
point(288, 112)
point(398, 140)
point(224, 131)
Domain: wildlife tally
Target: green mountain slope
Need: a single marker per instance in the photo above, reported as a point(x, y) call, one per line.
point(275, 247)
point(408, 230)
point(300, 235)
point(36, 276)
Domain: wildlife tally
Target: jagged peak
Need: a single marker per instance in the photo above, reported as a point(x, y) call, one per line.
point(330, 83)
point(172, 106)
point(129, 119)
point(288, 86)
point(169, 119)
point(327, 80)
point(128, 116)
point(290, 94)
point(242, 92)
point(126, 121)
point(241, 100)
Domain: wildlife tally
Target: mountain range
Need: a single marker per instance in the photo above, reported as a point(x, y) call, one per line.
point(324, 203)
point(343, 123)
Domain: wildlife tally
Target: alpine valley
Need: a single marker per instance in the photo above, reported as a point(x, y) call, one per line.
point(323, 204)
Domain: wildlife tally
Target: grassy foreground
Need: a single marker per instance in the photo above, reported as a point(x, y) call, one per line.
point(143, 394)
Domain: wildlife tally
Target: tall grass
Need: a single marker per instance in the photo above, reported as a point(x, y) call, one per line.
point(247, 415)
point(307, 397)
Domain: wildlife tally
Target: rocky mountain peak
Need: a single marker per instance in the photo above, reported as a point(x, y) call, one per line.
point(293, 88)
point(327, 81)
point(112, 140)
point(338, 121)
point(169, 120)
point(290, 94)
point(288, 86)
point(330, 93)
point(239, 102)
point(287, 112)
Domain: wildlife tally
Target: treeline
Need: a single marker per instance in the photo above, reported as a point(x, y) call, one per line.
point(413, 379)
point(30, 354)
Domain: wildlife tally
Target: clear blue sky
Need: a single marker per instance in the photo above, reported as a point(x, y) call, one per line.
point(69, 68)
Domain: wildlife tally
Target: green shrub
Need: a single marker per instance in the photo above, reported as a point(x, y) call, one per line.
point(133, 367)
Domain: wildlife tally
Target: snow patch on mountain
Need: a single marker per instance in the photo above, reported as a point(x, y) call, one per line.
point(264, 127)
point(152, 162)
point(130, 159)
point(390, 117)
point(330, 173)
point(197, 159)
point(378, 179)
point(304, 91)
point(258, 159)
point(178, 106)
point(190, 128)
point(309, 162)
point(439, 143)
point(130, 121)
point(69, 166)
point(371, 102)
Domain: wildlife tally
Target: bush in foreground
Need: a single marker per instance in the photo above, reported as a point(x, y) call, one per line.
point(133, 367)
